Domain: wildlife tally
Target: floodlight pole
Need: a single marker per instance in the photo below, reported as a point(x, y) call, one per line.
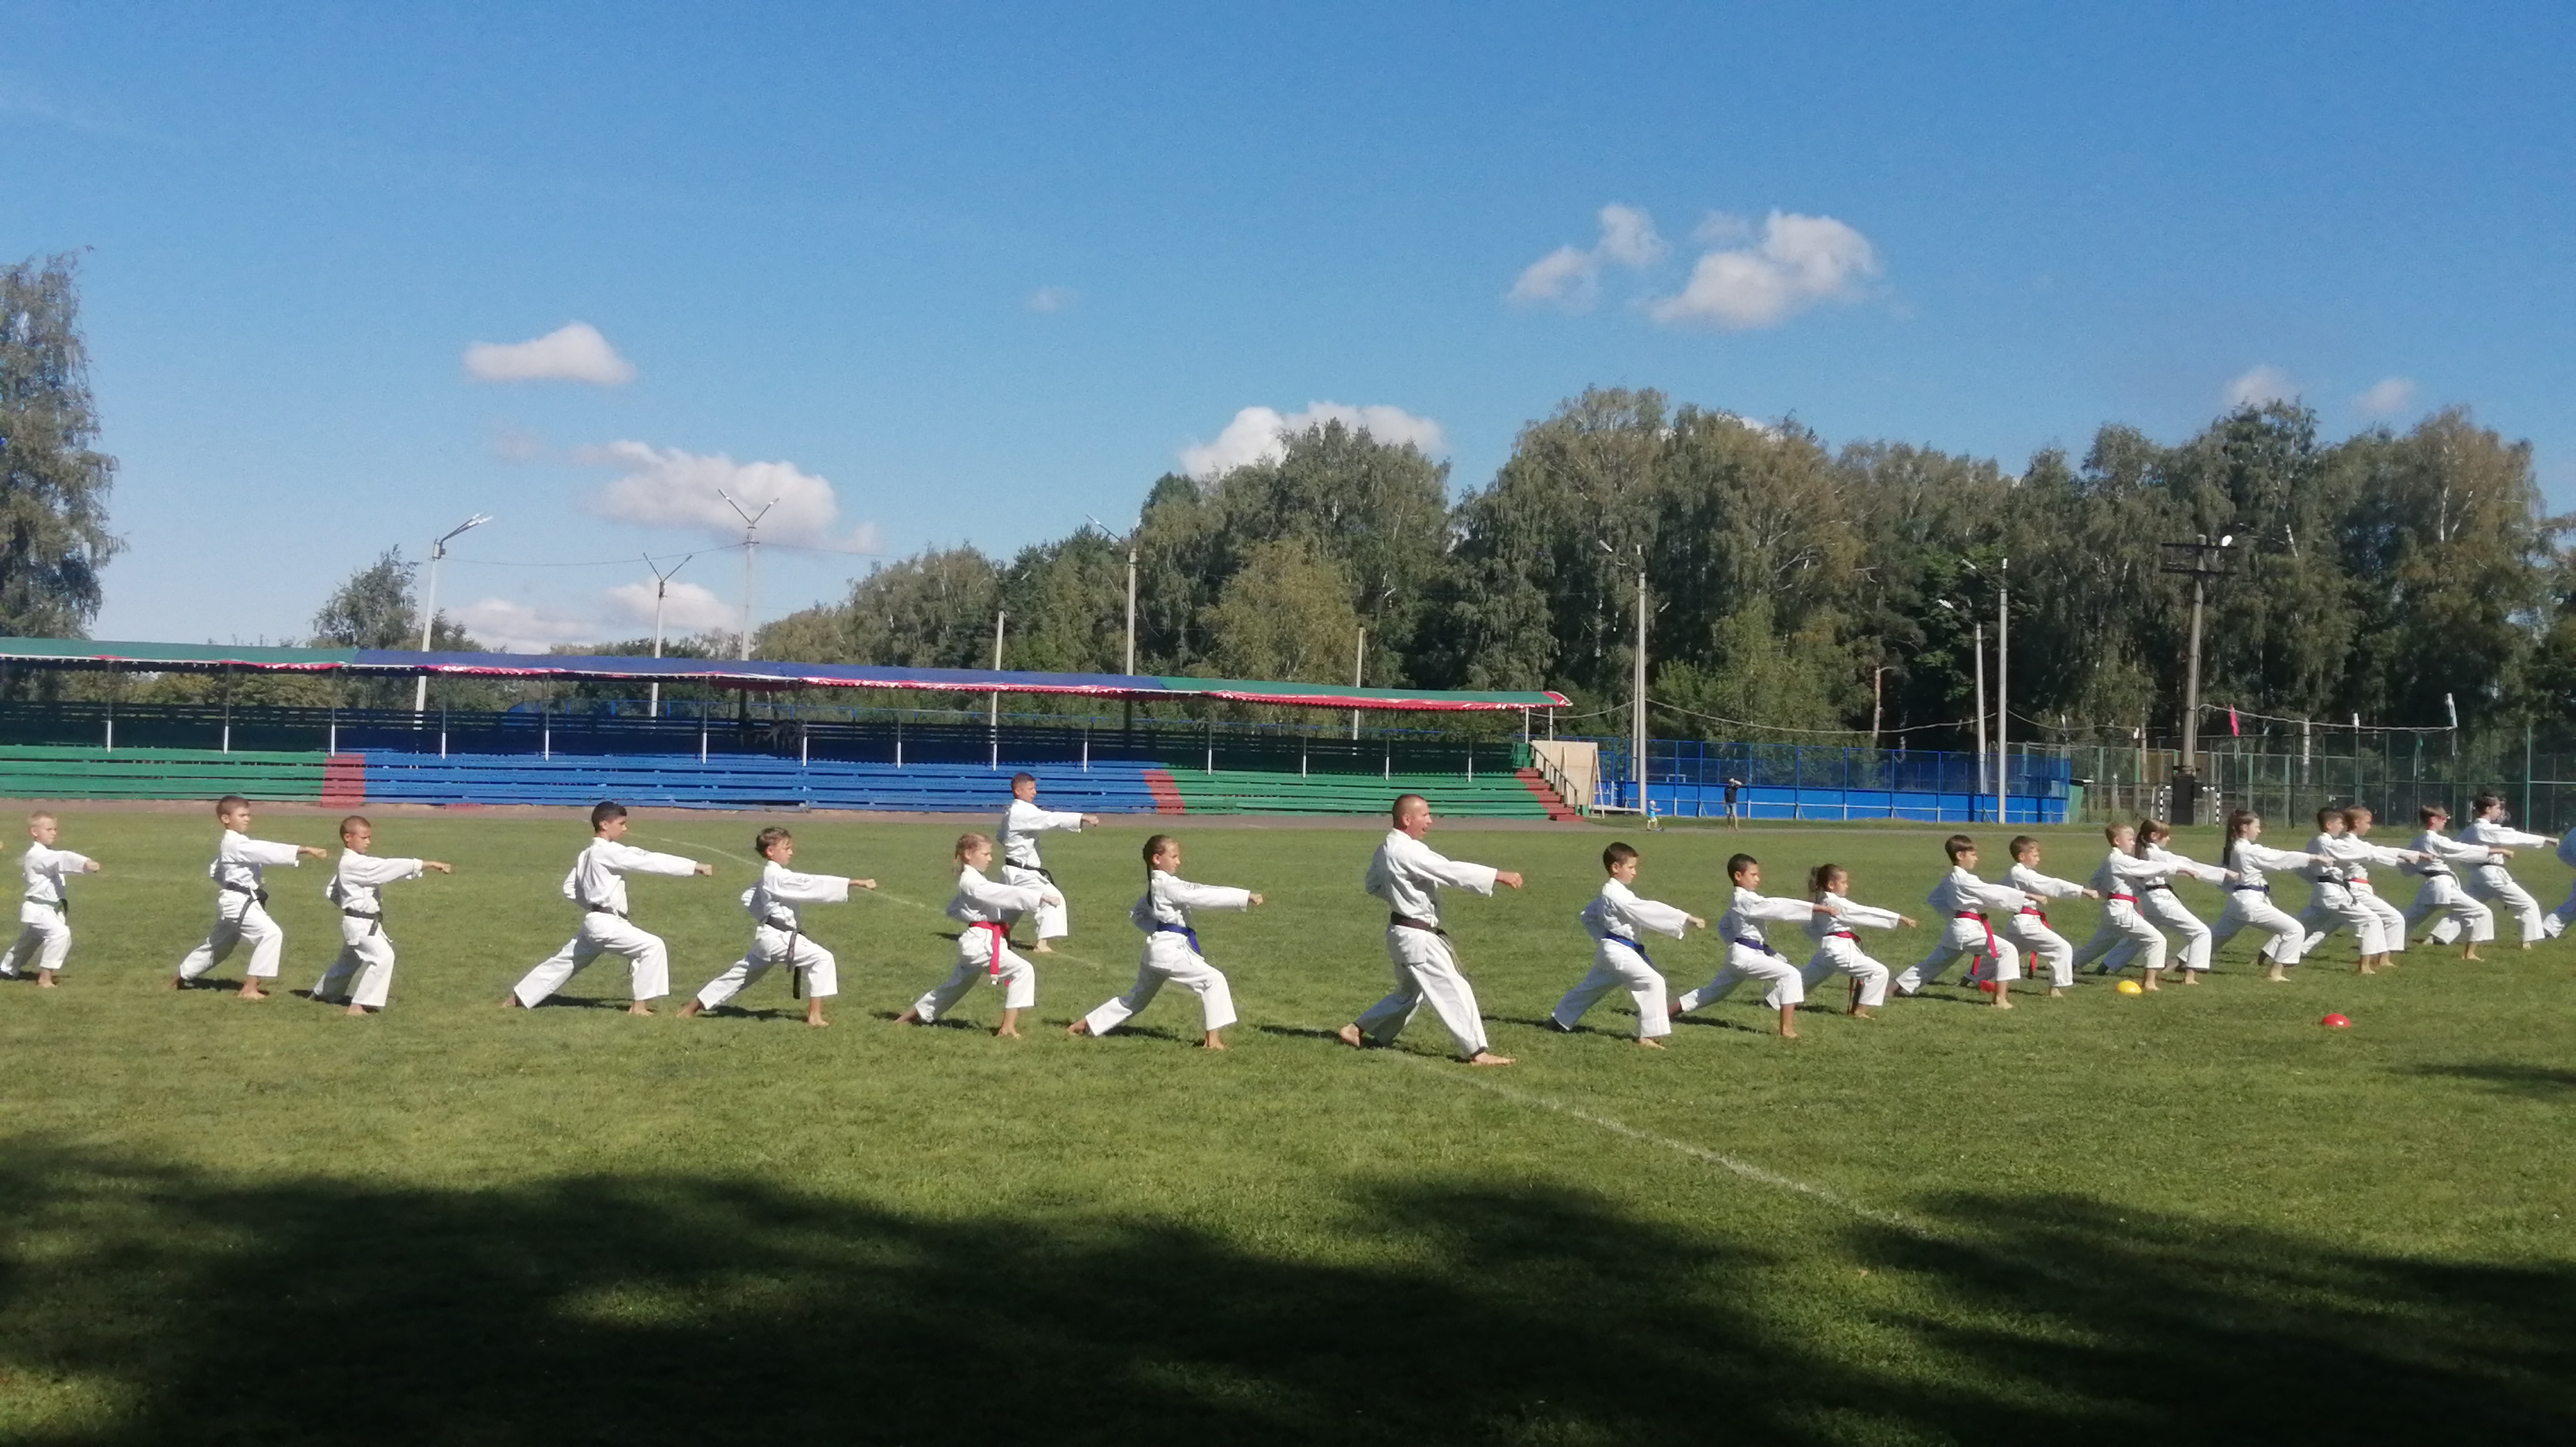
point(429, 603)
point(1130, 668)
point(2003, 713)
point(1637, 693)
point(2199, 560)
point(994, 718)
point(661, 590)
point(750, 550)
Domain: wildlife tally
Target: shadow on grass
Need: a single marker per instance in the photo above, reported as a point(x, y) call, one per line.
point(644, 1308)
point(2535, 1082)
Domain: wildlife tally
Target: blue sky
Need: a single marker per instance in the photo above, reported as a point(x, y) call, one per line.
point(968, 273)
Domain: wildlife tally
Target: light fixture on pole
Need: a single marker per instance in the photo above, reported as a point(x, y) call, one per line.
point(661, 591)
point(750, 550)
point(1637, 695)
point(2199, 560)
point(429, 601)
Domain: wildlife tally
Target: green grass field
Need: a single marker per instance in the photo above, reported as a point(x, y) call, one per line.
point(2184, 1218)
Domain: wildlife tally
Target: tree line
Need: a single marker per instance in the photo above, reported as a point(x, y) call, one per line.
point(2378, 575)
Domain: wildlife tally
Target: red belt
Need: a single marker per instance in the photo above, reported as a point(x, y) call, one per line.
point(1001, 932)
point(2038, 914)
point(2124, 898)
point(1991, 951)
point(1840, 934)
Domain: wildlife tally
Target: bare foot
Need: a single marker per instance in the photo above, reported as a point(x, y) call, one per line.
point(689, 1009)
point(1006, 1032)
point(2150, 984)
point(2000, 1002)
point(910, 1017)
point(1350, 1036)
point(355, 1009)
point(1078, 1027)
point(639, 1008)
point(2366, 969)
point(1649, 1042)
point(1042, 948)
point(1487, 1057)
point(44, 982)
point(2191, 977)
point(510, 1001)
point(250, 990)
point(1212, 1042)
point(1863, 1012)
point(178, 982)
point(2470, 953)
point(818, 1023)
point(2277, 976)
point(1788, 1032)
point(2055, 993)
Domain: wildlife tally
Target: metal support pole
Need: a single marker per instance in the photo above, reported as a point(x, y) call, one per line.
point(1359, 675)
point(1977, 641)
point(1637, 724)
point(2003, 712)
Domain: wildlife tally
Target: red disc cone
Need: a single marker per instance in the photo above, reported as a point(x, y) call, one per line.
point(2336, 1022)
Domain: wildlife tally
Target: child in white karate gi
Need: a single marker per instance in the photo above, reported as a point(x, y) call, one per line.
point(2493, 882)
point(2443, 860)
point(2249, 899)
point(1615, 919)
point(241, 905)
point(2163, 907)
point(1748, 950)
point(2353, 855)
point(986, 909)
point(1172, 954)
point(1022, 822)
point(2124, 931)
point(1407, 875)
point(597, 884)
point(45, 913)
point(366, 951)
point(1963, 899)
point(2028, 926)
point(1837, 948)
point(778, 935)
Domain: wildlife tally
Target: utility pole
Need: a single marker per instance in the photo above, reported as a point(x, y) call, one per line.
point(1130, 669)
point(661, 591)
point(750, 550)
point(1976, 647)
point(429, 603)
point(1637, 695)
point(994, 718)
point(2199, 560)
point(2003, 713)
point(1359, 672)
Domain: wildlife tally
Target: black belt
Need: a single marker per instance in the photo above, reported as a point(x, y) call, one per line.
point(588, 908)
point(2167, 888)
point(1400, 921)
point(794, 932)
point(375, 919)
point(1039, 870)
point(2250, 888)
point(257, 895)
point(2439, 874)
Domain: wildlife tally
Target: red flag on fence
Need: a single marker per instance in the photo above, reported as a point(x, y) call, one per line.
point(2232, 730)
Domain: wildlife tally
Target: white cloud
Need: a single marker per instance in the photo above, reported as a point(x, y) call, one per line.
point(510, 627)
point(1721, 226)
point(575, 352)
point(1800, 261)
point(2263, 384)
point(1570, 277)
point(667, 488)
point(1053, 298)
point(2386, 397)
point(518, 444)
point(690, 608)
point(1256, 433)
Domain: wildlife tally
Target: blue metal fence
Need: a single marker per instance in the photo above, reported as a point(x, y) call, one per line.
point(1688, 778)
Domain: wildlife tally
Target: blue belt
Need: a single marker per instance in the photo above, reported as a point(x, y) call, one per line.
point(1184, 931)
point(1632, 944)
point(1756, 943)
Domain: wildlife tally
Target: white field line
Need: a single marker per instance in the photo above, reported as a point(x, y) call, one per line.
point(1733, 1165)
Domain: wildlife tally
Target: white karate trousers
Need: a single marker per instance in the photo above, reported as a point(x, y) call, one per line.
point(2253, 909)
point(2029, 929)
point(1743, 962)
point(2122, 934)
point(1842, 952)
point(2332, 907)
point(648, 962)
point(1426, 973)
point(2495, 884)
point(248, 924)
point(1617, 965)
point(366, 952)
point(2441, 894)
point(1169, 960)
point(44, 941)
point(770, 948)
point(2322, 923)
point(1054, 923)
point(1968, 937)
point(983, 952)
